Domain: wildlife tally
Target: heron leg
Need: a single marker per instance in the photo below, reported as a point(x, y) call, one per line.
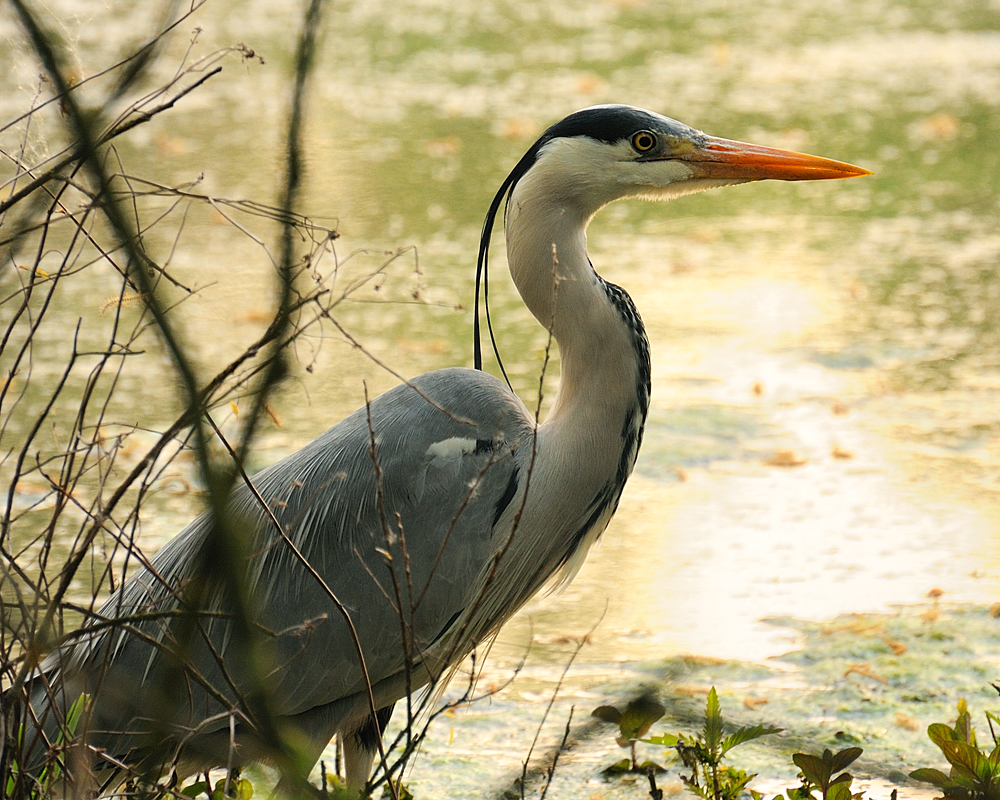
point(361, 747)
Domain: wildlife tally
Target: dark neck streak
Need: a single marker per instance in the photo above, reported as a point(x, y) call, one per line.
point(633, 422)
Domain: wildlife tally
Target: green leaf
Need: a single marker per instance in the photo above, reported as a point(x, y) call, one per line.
point(713, 722)
point(996, 720)
point(239, 788)
point(67, 731)
point(639, 716)
point(704, 792)
point(839, 791)
point(963, 725)
point(403, 792)
point(815, 769)
point(845, 758)
point(195, 789)
point(967, 761)
point(666, 740)
point(994, 757)
point(934, 776)
point(938, 733)
point(732, 781)
point(747, 734)
point(607, 714)
point(618, 768)
point(75, 712)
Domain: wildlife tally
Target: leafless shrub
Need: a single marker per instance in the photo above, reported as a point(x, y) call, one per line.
point(81, 454)
point(90, 302)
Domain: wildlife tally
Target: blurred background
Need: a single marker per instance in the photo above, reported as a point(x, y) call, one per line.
point(824, 435)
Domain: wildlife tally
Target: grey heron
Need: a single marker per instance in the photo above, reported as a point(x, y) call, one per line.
point(432, 514)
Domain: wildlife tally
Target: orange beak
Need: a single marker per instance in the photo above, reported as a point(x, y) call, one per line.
point(724, 158)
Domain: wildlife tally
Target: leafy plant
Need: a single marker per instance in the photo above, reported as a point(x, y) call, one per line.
point(239, 788)
point(404, 792)
point(50, 774)
point(974, 774)
point(633, 723)
point(703, 754)
point(820, 772)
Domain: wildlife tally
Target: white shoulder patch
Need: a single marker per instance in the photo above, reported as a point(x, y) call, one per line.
point(451, 449)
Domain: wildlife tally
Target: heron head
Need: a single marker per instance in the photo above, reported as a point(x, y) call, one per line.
point(608, 152)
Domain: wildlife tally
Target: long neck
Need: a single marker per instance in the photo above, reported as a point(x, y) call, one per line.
point(588, 444)
point(602, 346)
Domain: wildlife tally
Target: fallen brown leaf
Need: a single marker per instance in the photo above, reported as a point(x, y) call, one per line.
point(785, 458)
point(691, 691)
point(898, 648)
point(865, 671)
point(906, 721)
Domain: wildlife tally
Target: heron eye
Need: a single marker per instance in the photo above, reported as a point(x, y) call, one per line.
point(643, 141)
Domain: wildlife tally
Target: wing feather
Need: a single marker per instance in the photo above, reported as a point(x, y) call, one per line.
point(441, 502)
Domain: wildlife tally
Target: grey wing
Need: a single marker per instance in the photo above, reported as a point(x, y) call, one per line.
point(446, 448)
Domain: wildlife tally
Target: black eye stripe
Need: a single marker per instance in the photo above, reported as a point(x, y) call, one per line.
point(643, 141)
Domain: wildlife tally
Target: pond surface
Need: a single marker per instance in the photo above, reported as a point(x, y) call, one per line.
point(824, 435)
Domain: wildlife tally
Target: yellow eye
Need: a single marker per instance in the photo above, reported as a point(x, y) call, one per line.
point(644, 141)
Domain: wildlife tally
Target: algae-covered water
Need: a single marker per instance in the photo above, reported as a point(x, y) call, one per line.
point(873, 681)
point(824, 436)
